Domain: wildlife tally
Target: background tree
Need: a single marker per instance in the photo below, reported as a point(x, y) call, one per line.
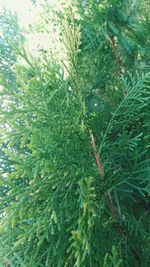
point(11, 36)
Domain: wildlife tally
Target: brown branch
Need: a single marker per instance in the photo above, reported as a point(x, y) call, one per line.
point(96, 155)
point(108, 196)
point(119, 61)
point(100, 169)
point(111, 206)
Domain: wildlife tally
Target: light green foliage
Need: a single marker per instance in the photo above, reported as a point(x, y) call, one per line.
point(62, 211)
point(10, 36)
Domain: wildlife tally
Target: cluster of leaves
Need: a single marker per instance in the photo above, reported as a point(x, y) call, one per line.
point(78, 191)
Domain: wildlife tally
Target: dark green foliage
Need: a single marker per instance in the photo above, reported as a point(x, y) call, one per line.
point(62, 209)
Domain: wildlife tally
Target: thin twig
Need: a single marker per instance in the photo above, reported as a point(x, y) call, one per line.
point(119, 61)
point(101, 171)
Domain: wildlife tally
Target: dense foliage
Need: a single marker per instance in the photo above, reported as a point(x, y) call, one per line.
point(78, 144)
point(10, 36)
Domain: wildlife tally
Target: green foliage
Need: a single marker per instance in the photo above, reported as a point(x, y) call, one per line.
point(112, 260)
point(10, 36)
point(78, 190)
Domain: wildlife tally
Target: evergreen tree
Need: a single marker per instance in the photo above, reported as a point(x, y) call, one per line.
point(79, 188)
point(10, 37)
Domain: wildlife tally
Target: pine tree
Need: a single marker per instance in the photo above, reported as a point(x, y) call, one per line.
point(79, 189)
